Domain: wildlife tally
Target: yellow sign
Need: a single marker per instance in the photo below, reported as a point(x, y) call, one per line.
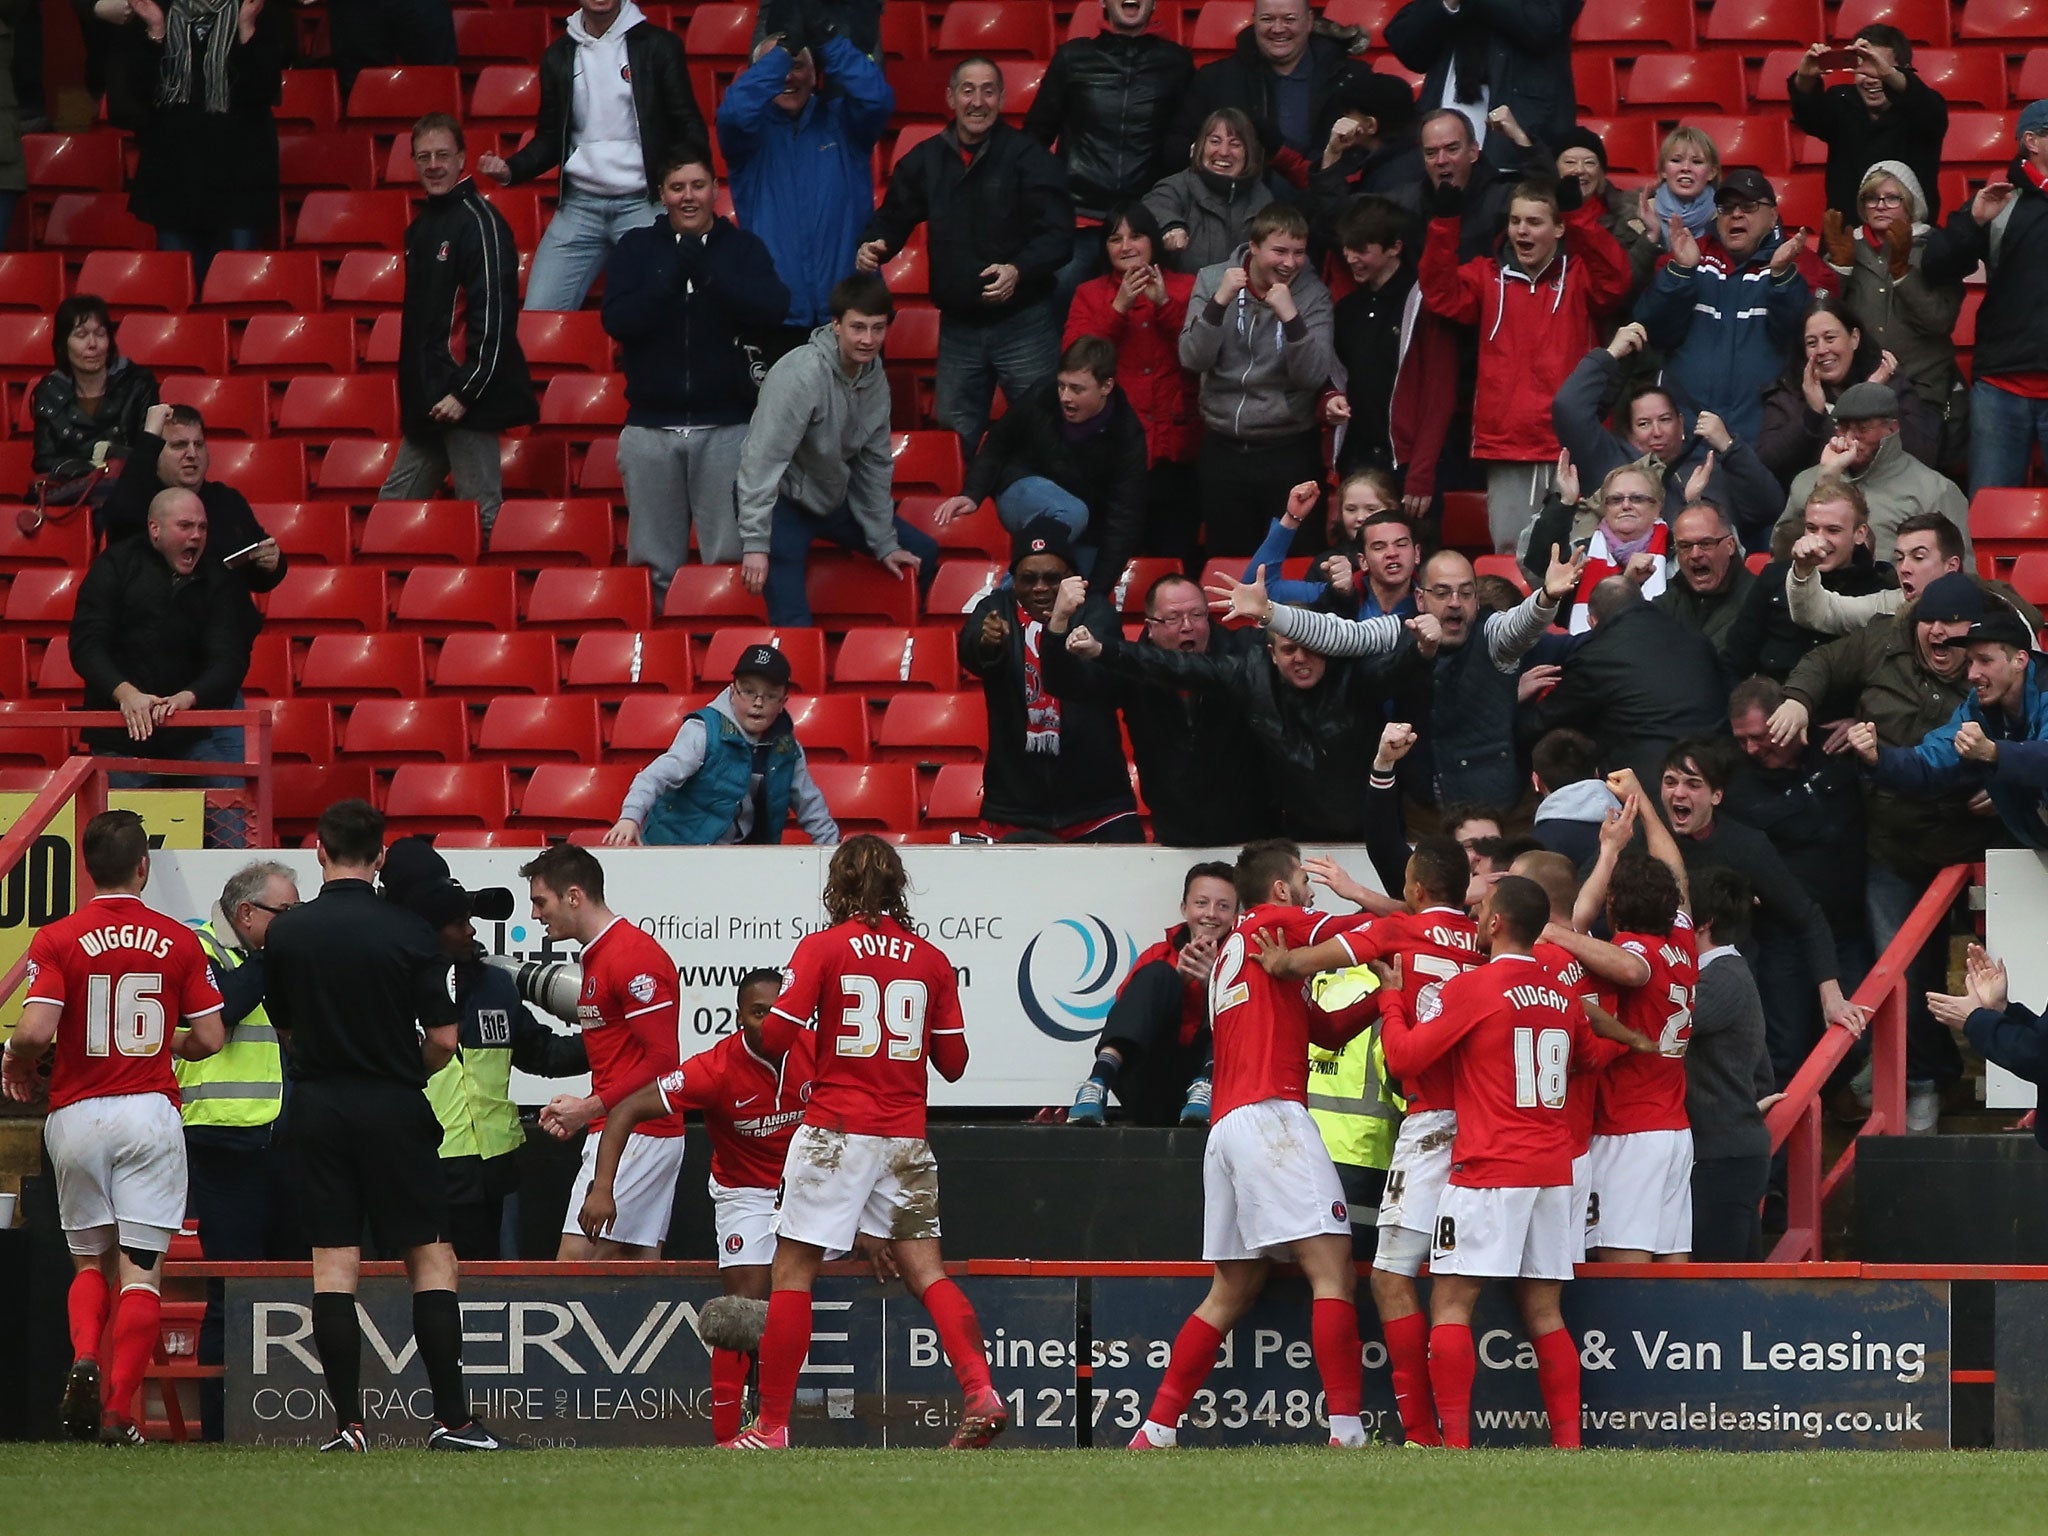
point(39, 889)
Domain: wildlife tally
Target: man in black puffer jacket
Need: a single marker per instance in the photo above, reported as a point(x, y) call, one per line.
point(1282, 75)
point(461, 280)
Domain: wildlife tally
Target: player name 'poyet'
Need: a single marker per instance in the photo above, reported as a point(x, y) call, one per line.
point(98, 941)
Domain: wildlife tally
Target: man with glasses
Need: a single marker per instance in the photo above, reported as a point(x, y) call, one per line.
point(1711, 576)
point(1281, 75)
point(734, 773)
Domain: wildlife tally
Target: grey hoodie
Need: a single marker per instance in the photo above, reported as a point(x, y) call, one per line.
point(1259, 379)
point(819, 438)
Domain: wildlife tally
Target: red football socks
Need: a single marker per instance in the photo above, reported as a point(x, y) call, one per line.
point(1194, 1356)
point(1408, 1361)
point(784, 1343)
point(1334, 1329)
point(137, 1319)
point(86, 1304)
point(728, 1391)
point(1452, 1365)
point(959, 1334)
point(1557, 1375)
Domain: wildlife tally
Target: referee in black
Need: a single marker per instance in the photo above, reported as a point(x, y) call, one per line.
point(362, 989)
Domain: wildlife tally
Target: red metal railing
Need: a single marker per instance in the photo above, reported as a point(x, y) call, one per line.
point(1795, 1121)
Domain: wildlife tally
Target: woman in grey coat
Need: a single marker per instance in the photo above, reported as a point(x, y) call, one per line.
point(1204, 210)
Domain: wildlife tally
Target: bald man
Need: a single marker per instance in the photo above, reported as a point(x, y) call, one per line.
point(159, 631)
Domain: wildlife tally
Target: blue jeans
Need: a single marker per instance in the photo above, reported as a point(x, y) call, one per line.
point(789, 551)
point(1889, 897)
point(1086, 262)
point(204, 244)
point(578, 241)
point(1018, 353)
point(2003, 430)
point(1034, 497)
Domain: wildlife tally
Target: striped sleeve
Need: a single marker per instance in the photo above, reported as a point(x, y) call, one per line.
point(490, 290)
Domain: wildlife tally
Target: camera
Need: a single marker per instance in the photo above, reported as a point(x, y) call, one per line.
point(553, 986)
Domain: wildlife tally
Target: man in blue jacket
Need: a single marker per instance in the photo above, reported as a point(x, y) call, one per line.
point(802, 164)
point(2008, 1033)
point(679, 296)
point(1997, 740)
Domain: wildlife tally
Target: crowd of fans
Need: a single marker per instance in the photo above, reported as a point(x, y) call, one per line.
point(1724, 460)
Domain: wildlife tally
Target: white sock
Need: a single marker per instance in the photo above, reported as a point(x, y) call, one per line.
point(1159, 1434)
point(1347, 1430)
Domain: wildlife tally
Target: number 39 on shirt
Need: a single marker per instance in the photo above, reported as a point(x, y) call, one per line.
point(871, 1011)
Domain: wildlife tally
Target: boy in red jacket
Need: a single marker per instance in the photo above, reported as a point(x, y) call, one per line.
point(1534, 306)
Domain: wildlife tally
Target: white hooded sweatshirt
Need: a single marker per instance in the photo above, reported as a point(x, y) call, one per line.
point(606, 160)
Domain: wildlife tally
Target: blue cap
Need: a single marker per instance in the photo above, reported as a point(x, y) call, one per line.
point(2033, 119)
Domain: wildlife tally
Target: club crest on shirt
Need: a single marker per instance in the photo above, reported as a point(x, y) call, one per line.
point(442, 254)
point(1429, 1002)
point(642, 988)
point(28, 977)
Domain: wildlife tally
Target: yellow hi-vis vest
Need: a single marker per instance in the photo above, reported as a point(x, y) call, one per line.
point(1347, 1090)
point(472, 1098)
point(242, 1084)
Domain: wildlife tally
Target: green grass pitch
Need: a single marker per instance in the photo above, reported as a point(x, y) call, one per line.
point(167, 1491)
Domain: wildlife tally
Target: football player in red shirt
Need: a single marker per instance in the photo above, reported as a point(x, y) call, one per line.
point(628, 1013)
point(887, 1008)
point(1268, 1185)
point(752, 1099)
point(1155, 1043)
point(120, 989)
point(1509, 1036)
point(1642, 1141)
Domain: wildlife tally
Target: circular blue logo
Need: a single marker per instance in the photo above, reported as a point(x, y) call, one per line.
point(1068, 976)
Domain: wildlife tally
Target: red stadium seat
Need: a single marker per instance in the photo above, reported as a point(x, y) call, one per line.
point(24, 348)
point(31, 746)
point(14, 667)
point(355, 469)
point(1015, 29)
point(380, 346)
point(69, 542)
point(478, 666)
point(920, 86)
point(517, 36)
point(315, 531)
point(2005, 523)
point(572, 601)
point(402, 534)
point(1789, 23)
point(56, 679)
point(1136, 580)
point(909, 272)
point(556, 341)
point(803, 649)
point(702, 592)
point(299, 792)
point(94, 221)
point(359, 664)
point(562, 798)
point(832, 727)
point(1964, 77)
point(328, 599)
point(270, 668)
point(1773, 84)
point(479, 837)
point(1464, 521)
point(138, 279)
point(1021, 79)
point(720, 32)
point(320, 406)
point(1710, 82)
point(979, 533)
point(176, 344)
point(961, 584)
point(260, 471)
point(308, 96)
point(338, 221)
point(1980, 143)
point(599, 470)
point(1802, 200)
point(341, 159)
point(1593, 84)
point(244, 282)
point(914, 334)
point(1216, 26)
point(933, 728)
point(539, 728)
point(407, 731)
point(370, 282)
point(394, 97)
point(622, 663)
point(533, 466)
point(31, 280)
point(883, 661)
point(520, 209)
point(531, 534)
point(1966, 321)
point(506, 98)
point(72, 162)
point(646, 726)
point(283, 346)
point(231, 407)
point(869, 797)
point(1925, 22)
point(302, 730)
point(926, 461)
point(439, 599)
point(906, 140)
point(848, 590)
point(1631, 142)
point(1764, 142)
point(582, 405)
point(425, 797)
point(2028, 577)
point(903, 30)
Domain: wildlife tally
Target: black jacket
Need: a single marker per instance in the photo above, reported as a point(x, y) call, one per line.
point(1085, 778)
point(663, 103)
point(1522, 50)
point(461, 266)
point(1318, 742)
point(1106, 468)
point(1245, 81)
point(231, 523)
point(210, 170)
point(2012, 327)
point(1910, 131)
point(64, 432)
point(678, 305)
point(1785, 913)
point(1487, 194)
point(1106, 101)
point(1637, 684)
point(1713, 614)
point(1009, 205)
point(137, 623)
point(1763, 638)
point(1813, 814)
point(1198, 764)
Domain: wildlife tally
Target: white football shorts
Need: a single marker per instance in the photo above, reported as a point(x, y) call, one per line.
point(1267, 1183)
point(1642, 1192)
point(1416, 1177)
point(120, 1165)
point(1582, 1199)
point(644, 1189)
point(745, 1220)
point(1505, 1234)
point(837, 1184)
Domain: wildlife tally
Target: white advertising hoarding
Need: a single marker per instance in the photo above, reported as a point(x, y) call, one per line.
point(2015, 911)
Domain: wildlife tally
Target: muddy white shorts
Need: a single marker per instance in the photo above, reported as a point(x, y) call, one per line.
point(1416, 1176)
point(836, 1185)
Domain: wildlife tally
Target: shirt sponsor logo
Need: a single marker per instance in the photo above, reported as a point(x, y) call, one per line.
point(642, 988)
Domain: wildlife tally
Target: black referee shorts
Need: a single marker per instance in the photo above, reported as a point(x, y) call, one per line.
point(367, 1150)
